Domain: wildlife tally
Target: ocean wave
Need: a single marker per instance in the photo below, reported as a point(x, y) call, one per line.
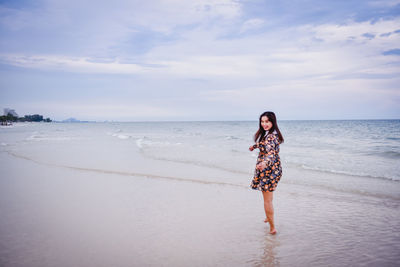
point(347, 189)
point(139, 143)
point(178, 130)
point(393, 138)
point(146, 142)
point(392, 178)
point(122, 136)
point(388, 154)
point(232, 137)
point(148, 145)
point(118, 134)
point(302, 166)
point(48, 138)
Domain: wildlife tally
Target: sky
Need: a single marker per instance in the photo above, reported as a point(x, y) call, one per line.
point(183, 60)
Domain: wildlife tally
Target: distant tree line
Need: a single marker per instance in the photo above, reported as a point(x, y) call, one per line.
point(11, 118)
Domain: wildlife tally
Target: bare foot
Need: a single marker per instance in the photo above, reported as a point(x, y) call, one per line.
point(266, 220)
point(272, 232)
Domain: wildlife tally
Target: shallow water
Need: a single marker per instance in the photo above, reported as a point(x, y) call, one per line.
point(176, 194)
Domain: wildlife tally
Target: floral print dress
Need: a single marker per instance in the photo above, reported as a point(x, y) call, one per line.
point(268, 178)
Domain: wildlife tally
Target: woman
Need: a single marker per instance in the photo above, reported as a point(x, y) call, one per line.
point(268, 169)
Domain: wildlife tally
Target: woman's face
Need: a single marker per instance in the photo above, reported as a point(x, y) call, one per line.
point(265, 123)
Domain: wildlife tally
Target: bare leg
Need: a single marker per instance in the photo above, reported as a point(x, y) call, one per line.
point(269, 211)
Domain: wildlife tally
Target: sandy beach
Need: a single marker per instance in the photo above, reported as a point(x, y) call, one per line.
point(56, 212)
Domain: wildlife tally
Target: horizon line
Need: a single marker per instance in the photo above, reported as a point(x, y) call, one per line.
point(120, 121)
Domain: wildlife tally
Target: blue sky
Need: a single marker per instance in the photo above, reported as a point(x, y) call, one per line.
point(163, 60)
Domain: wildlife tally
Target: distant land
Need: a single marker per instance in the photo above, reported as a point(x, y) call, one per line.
point(11, 116)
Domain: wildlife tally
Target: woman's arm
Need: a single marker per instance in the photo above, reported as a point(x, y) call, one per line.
point(257, 145)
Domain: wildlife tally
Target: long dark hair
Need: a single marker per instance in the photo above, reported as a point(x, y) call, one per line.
point(260, 134)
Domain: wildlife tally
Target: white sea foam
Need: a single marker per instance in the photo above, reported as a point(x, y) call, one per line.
point(118, 133)
point(139, 143)
point(360, 174)
point(123, 136)
point(48, 138)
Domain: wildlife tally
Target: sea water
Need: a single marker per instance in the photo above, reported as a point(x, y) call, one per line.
point(355, 148)
point(339, 193)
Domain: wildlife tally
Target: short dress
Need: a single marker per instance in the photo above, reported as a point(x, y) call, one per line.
point(268, 178)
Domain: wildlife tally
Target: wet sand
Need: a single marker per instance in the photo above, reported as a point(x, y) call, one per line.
point(55, 216)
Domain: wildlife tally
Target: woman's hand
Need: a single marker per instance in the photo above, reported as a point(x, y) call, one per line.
point(261, 166)
point(251, 148)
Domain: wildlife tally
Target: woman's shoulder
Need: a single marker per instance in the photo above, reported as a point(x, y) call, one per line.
point(272, 136)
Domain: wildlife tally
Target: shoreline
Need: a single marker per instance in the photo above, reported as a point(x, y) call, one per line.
point(209, 175)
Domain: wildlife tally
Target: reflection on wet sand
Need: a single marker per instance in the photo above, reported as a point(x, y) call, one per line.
point(269, 254)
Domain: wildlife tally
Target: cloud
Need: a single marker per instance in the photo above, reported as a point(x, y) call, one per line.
point(156, 15)
point(71, 64)
point(203, 54)
point(328, 96)
point(354, 31)
point(252, 24)
point(105, 29)
point(383, 3)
